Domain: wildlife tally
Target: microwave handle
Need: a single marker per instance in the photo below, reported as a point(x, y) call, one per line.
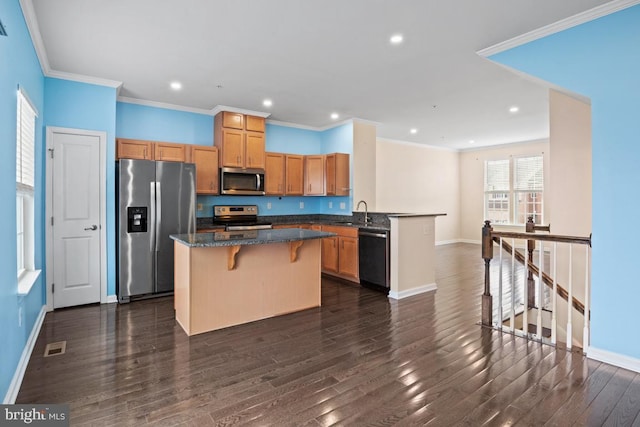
point(258, 181)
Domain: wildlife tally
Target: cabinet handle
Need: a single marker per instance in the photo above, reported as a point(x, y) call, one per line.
point(343, 244)
point(144, 153)
point(160, 154)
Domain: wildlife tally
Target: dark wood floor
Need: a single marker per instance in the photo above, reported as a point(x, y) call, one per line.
point(361, 359)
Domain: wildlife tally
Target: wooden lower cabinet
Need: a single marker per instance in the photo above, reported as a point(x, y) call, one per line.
point(340, 253)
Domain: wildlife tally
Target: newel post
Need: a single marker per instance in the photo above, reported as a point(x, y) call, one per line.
point(487, 255)
point(531, 246)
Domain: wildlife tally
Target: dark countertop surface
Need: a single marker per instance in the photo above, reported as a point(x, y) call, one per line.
point(378, 221)
point(253, 237)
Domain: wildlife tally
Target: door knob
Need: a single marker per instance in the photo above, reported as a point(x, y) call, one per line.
point(92, 228)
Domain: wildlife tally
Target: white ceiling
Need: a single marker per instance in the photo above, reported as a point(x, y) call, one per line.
point(315, 57)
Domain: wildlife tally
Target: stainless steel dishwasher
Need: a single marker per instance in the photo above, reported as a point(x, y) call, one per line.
point(373, 254)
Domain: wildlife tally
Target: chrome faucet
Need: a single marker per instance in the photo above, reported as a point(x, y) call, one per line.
point(366, 211)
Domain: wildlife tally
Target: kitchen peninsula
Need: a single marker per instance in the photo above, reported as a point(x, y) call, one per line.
point(229, 278)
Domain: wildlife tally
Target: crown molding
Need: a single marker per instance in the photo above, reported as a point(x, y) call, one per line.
point(292, 125)
point(506, 144)
point(84, 79)
point(219, 108)
point(563, 24)
point(417, 144)
point(29, 14)
point(164, 105)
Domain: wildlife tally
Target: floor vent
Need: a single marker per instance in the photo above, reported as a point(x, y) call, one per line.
point(55, 348)
point(3, 32)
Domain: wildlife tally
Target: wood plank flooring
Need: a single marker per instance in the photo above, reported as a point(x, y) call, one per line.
point(360, 359)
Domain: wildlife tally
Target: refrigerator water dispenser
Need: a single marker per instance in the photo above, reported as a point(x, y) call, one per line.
point(136, 219)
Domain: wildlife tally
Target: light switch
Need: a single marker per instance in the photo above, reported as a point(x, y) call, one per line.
point(342, 205)
point(330, 205)
point(268, 205)
point(301, 205)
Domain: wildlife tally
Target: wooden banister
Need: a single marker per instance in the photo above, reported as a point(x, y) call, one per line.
point(547, 280)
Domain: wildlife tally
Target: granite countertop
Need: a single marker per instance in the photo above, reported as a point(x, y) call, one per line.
point(251, 237)
point(409, 215)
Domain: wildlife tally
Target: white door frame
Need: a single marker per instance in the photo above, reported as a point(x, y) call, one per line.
point(102, 138)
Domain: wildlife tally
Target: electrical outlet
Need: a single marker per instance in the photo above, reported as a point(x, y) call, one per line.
point(330, 205)
point(301, 205)
point(200, 206)
point(342, 205)
point(268, 205)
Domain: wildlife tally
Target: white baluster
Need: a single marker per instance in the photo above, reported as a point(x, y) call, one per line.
point(500, 318)
point(570, 300)
point(585, 332)
point(525, 313)
point(554, 301)
point(540, 294)
point(512, 322)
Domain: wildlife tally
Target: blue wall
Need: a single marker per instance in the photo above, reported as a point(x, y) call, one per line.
point(601, 59)
point(85, 106)
point(160, 124)
point(20, 66)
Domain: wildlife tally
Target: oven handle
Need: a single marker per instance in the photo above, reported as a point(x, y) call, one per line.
point(370, 234)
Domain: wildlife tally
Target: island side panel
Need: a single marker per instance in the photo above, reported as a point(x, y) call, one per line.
point(181, 279)
point(263, 284)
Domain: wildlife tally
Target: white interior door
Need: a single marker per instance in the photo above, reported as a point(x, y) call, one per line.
point(76, 219)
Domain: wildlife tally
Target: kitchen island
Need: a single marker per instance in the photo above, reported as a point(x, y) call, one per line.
point(229, 278)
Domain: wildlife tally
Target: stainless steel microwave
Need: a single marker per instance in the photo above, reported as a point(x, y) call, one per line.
point(242, 182)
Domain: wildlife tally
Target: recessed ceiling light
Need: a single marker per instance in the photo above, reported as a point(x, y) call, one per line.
point(267, 103)
point(396, 39)
point(334, 116)
point(514, 109)
point(471, 141)
point(414, 130)
point(176, 85)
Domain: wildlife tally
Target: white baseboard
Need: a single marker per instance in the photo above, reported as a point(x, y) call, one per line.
point(447, 242)
point(475, 242)
point(414, 291)
point(112, 298)
point(619, 360)
point(16, 382)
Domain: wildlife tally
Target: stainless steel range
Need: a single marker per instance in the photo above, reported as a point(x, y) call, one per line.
point(239, 218)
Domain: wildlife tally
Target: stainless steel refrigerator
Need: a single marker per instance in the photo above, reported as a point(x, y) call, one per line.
point(155, 199)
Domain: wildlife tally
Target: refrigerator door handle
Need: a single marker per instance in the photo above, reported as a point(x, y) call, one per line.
point(152, 215)
point(158, 215)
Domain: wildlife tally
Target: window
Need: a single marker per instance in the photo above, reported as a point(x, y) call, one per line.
point(511, 198)
point(25, 171)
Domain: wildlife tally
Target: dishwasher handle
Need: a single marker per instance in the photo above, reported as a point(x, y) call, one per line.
point(371, 234)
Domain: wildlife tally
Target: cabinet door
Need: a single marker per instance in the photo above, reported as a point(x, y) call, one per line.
point(206, 161)
point(294, 175)
point(134, 149)
point(342, 177)
point(232, 151)
point(330, 254)
point(314, 175)
point(348, 256)
point(254, 124)
point(167, 152)
point(232, 120)
point(274, 173)
point(330, 174)
point(254, 154)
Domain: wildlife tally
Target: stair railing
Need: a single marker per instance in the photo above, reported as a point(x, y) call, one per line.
point(531, 270)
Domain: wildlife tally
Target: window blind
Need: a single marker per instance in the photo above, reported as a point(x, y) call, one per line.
point(497, 175)
point(25, 142)
point(528, 174)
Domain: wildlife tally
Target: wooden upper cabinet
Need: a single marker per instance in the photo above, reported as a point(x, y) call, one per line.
point(232, 120)
point(169, 152)
point(337, 174)
point(231, 148)
point(254, 123)
point(294, 181)
point(133, 149)
point(254, 150)
point(274, 174)
point(314, 175)
point(239, 147)
point(206, 161)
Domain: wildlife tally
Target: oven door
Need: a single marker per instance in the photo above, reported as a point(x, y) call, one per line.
point(242, 182)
